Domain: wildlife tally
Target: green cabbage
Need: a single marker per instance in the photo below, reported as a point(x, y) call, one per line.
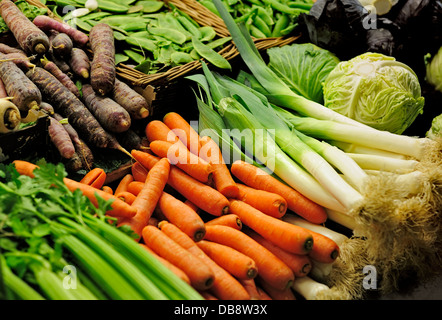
point(434, 70)
point(303, 67)
point(376, 90)
point(435, 131)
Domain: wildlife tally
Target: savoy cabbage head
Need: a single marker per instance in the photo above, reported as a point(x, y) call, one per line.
point(376, 90)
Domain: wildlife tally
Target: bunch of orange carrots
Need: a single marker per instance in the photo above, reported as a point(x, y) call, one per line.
point(220, 229)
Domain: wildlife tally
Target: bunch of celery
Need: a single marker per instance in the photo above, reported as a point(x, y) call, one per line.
point(384, 186)
point(56, 245)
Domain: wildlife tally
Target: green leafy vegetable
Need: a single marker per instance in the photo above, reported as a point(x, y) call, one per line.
point(376, 90)
point(433, 73)
point(304, 67)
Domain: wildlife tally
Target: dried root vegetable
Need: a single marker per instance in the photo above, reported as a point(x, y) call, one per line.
point(60, 138)
point(62, 64)
point(79, 63)
point(25, 94)
point(68, 105)
point(83, 152)
point(109, 113)
point(4, 48)
point(46, 23)
point(3, 93)
point(62, 44)
point(20, 59)
point(9, 116)
point(101, 38)
point(60, 75)
point(30, 38)
point(130, 100)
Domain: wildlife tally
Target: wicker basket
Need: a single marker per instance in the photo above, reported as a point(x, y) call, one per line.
point(204, 17)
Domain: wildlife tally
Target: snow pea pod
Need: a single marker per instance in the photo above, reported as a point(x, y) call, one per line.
point(150, 6)
point(262, 26)
point(218, 42)
point(95, 15)
point(133, 26)
point(135, 56)
point(144, 43)
point(282, 23)
point(168, 33)
point(84, 25)
point(181, 57)
point(207, 33)
point(189, 26)
point(210, 55)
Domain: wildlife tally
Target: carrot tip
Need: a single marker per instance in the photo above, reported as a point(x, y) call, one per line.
point(334, 254)
point(199, 235)
point(306, 268)
point(308, 244)
point(225, 210)
point(252, 273)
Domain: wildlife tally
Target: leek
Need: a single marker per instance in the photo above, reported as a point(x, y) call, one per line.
point(384, 140)
point(278, 91)
point(254, 137)
point(288, 140)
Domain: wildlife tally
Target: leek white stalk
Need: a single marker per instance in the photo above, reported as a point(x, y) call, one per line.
point(381, 163)
point(348, 166)
point(384, 140)
point(337, 237)
point(320, 271)
point(309, 288)
point(356, 148)
point(342, 218)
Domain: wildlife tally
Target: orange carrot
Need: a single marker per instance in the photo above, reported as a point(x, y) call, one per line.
point(262, 294)
point(135, 187)
point(296, 240)
point(178, 272)
point(181, 215)
point(25, 168)
point(230, 220)
point(157, 130)
point(324, 249)
point(235, 262)
point(182, 128)
point(222, 177)
point(200, 274)
point(139, 173)
point(181, 157)
point(149, 195)
point(276, 294)
point(250, 286)
point(267, 202)
point(207, 295)
point(107, 189)
point(191, 205)
point(94, 178)
point(299, 263)
point(269, 266)
point(153, 222)
point(126, 196)
point(259, 179)
point(122, 185)
point(225, 286)
point(205, 197)
point(119, 208)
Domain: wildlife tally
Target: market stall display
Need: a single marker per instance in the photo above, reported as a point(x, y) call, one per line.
point(285, 171)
